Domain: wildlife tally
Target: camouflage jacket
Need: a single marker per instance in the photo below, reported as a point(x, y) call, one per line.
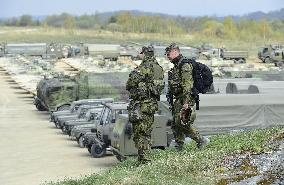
point(181, 80)
point(146, 81)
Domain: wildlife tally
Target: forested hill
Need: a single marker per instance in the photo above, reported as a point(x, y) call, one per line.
point(272, 15)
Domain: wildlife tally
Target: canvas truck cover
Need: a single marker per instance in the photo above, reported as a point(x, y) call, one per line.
point(103, 85)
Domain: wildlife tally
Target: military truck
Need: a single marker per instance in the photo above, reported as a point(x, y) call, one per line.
point(122, 144)
point(45, 50)
point(98, 140)
point(238, 57)
point(59, 92)
point(55, 94)
point(272, 54)
point(2, 49)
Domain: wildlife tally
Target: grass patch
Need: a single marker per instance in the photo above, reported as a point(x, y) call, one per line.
point(191, 166)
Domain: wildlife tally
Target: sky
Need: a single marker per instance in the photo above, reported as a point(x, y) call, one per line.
point(10, 8)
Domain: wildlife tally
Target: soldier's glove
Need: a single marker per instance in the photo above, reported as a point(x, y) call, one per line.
point(185, 115)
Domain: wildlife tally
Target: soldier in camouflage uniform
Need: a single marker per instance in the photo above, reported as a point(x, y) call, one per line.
point(183, 100)
point(145, 85)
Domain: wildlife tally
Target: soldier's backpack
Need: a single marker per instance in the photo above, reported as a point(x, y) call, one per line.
point(158, 80)
point(202, 76)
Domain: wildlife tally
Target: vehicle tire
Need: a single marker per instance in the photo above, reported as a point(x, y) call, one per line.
point(89, 149)
point(267, 60)
point(80, 142)
point(279, 64)
point(231, 88)
point(63, 107)
point(98, 151)
point(40, 107)
point(241, 61)
point(253, 89)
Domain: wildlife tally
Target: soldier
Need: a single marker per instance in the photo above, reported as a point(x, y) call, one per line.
point(182, 98)
point(145, 85)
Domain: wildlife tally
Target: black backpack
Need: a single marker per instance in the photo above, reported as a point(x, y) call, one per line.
point(202, 76)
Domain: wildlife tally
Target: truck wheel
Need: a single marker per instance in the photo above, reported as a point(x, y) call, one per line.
point(80, 142)
point(279, 64)
point(231, 88)
point(242, 61)
point(89, 149)
point(63, 107)
point(98, 151)
point(267, 60)
point(253, 89)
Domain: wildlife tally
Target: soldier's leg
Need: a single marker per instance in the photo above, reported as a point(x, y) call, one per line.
point(144, 148)
point(142, 135)
point(178, 131)
point(192, 132)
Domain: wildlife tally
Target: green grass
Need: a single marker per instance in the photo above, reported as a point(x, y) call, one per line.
point(191, 166)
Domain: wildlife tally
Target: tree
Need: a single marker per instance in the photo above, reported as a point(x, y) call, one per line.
point(25, 20)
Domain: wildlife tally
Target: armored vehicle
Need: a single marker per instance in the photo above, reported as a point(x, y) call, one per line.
point(55, 94)
point(91, 116)
point(98, 140)
point(122, 144)
point(272, 54)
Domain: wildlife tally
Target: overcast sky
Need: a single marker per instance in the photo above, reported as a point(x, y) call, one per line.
point(9, 8)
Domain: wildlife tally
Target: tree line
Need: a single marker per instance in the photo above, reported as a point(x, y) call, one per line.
point(127, 22)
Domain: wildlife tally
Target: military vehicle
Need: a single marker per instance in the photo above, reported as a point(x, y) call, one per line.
point(45, 50)
point(80, 114)
point(2, 49)
point(107, 51)
point(79, 131)
point(79, 50)
point(272, 54)
point(58, 93)
point(75, 106)
point(98, 140)
point(91, 115)
point(122, 144)
point(55, 94)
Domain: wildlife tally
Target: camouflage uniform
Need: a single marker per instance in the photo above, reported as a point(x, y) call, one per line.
point(144, 89)
point(180, 86)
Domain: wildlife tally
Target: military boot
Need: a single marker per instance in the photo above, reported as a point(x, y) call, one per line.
point(179, 146)
point(142, 158)
point(202, 143)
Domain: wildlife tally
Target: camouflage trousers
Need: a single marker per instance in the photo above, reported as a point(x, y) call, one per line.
point(142, 134)
point(182, 130)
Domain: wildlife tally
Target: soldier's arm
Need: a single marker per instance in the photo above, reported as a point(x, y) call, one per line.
point(187, 82)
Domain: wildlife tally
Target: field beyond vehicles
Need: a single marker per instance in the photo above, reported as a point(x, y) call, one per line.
point(76, 35)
